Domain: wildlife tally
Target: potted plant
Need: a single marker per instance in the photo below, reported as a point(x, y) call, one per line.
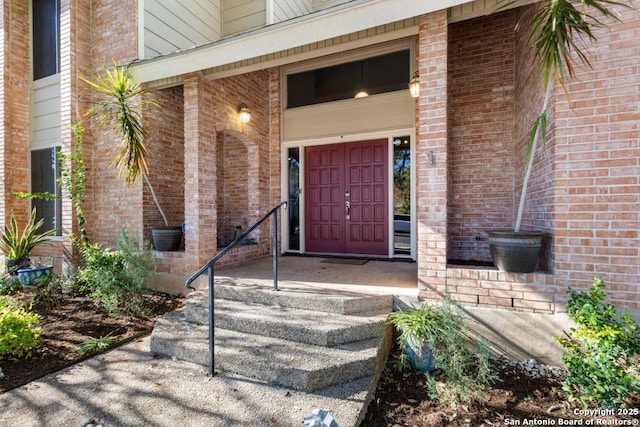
point(121, 112)
point(555, 30)
point(17, 247)
point(432, 339)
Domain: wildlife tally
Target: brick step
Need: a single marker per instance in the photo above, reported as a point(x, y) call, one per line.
point(304, 326)
point(286, 363)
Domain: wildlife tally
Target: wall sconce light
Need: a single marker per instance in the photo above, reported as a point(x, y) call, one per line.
point(414, 85)
point(243, 113)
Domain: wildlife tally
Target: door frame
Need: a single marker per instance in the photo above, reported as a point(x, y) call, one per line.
point(284, 180)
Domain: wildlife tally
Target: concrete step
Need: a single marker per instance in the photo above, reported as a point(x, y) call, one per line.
point(282, 362)
point(306, 298)
point(304, 326)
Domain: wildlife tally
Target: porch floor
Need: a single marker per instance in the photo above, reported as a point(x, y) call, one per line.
point(319, 273)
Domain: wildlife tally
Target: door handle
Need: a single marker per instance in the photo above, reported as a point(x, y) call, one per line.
point(347, 207)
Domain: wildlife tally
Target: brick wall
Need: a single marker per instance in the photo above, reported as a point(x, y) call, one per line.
point(234, 193)
point(481, 141)
point(165, 158)
point(243, 195)
point(539, 208)
point(585, 187)
point(75, 22)
point(233, 190)
point(111, 205)
point(431, 183)
point(15, 88)
point(597, 165)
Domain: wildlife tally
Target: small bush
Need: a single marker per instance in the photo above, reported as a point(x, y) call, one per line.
point(17, 332)
point(462, 375)
point(49, 294)
point(600, 353)
point(9, 285)
point(117, 279)
point(94, 345)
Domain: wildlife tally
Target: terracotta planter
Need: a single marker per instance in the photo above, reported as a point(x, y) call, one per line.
point(515, 252)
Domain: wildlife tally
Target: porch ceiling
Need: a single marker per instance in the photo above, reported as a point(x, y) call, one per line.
point(326, 24)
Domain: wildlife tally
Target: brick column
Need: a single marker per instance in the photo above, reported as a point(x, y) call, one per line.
point(432, 138)
point(16, 76)
point(200, 175)
point(75, 61)
point(275, 147)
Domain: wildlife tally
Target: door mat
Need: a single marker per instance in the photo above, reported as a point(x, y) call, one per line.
point(349, 261)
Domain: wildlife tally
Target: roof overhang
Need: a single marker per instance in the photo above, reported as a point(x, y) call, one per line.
point(326, 24)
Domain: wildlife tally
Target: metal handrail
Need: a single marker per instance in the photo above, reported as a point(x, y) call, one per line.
point(209, 267)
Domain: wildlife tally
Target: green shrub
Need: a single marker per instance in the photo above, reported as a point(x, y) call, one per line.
point(9, 285)
point(49, 294)
point(462, 375)
point(94, 345)
point(17, 332)
point(117, 279)
point(600, 352)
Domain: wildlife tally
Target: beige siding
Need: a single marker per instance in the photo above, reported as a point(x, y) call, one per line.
point(242, 15)
point(287, 9)
point(171, 25)
point(394, 110)
point(45, 111)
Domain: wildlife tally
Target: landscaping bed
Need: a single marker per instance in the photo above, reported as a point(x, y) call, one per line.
point(70, 320)
point(526, 393)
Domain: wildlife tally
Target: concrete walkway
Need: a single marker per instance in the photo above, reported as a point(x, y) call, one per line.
point(129, 387)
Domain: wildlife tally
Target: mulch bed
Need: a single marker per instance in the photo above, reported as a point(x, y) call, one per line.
point(516, 399)
point(70, 321)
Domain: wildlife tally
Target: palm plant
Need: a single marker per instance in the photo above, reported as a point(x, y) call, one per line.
point(557, 31)
point(17, 247)
point(121, 111)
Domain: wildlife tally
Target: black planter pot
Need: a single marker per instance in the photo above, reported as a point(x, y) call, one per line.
point(515, 252)
point(167, 238)
point(13, 265)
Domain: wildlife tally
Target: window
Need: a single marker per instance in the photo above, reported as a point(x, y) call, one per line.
point(294, 198)
point(379, 74)
point(402, 195)
point(46, 35)
point(44, 179)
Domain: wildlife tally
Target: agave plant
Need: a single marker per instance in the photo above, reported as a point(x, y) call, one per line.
point(124, 100)
point(17, 247)
point(557, 30)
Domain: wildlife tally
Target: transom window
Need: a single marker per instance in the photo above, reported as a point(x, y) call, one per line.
point(370, 76)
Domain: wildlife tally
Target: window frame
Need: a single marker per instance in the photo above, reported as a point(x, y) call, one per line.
point(57, 219)
point(43, 67)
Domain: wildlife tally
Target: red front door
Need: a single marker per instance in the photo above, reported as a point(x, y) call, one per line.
point(346, 198)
